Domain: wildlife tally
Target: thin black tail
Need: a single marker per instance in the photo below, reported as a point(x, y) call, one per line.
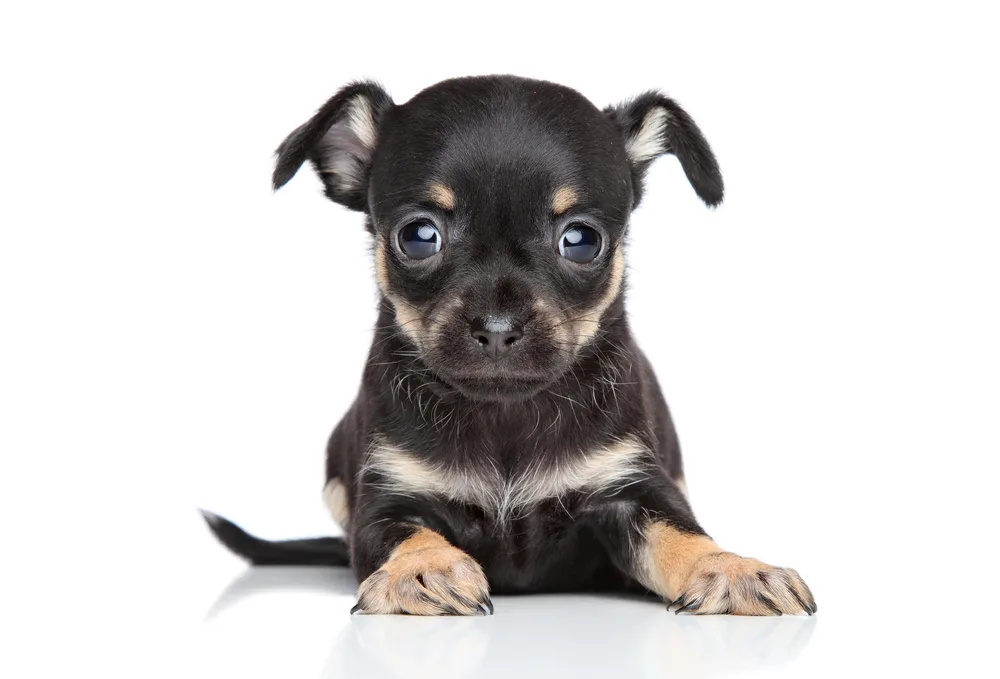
point(309, 552)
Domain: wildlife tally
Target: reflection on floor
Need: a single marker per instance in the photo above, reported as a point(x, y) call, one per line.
point(558, 635)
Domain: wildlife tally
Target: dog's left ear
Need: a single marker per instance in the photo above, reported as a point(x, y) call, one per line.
point(340, 142)
point(652, 125)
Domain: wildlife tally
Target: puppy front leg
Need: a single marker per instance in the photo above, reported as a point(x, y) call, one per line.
point(656, 541)
point(406, 567)
point(699, 577)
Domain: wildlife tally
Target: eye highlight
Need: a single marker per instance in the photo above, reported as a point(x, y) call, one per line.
point(419, 239)
point(580, 243)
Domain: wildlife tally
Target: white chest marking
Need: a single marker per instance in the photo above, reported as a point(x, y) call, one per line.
point(610, 469)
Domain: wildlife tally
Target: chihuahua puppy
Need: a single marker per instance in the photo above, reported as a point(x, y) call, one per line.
point(508, 435)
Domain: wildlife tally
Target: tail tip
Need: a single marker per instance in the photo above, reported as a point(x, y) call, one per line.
point(210, 518)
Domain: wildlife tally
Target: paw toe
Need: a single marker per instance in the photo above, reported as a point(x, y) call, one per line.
point(431, 586)
point(727, 583)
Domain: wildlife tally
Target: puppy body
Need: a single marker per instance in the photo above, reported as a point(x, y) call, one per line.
point(520, 486)
point(508, 434)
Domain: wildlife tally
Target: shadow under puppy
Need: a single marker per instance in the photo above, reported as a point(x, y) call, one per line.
point(508, 434)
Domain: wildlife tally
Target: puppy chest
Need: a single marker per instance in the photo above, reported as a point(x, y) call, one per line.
point(546, 548)
point(504, 495)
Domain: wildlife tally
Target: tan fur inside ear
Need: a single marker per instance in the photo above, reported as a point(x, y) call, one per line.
point(650, 140)
point(348, 145)
point(361, 121)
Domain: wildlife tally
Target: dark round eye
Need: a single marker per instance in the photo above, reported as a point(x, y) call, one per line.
point(580, 243)
point(419, 240)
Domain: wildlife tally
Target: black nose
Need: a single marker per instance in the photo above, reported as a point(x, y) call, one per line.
point(495, 337)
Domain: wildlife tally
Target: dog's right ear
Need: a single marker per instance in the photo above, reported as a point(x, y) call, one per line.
point(339, 141)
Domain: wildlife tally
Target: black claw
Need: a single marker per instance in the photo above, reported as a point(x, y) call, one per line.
point(357, 607)
point(807, 609)
point(489, 605)
point(770, 604)
point(690, 606)
point(466, 602)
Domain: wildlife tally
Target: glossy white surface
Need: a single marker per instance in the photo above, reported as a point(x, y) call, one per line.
point(197, 612)
point(599, 636)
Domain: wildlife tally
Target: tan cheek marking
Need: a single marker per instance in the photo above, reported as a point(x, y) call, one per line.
point(381, 268)
point(438, 321)
point(559, 326)
point(425, 575)
point(442, 196)
point(335, 498)
point(408, 317)
point(587, 323)
point(563, 199)
point(668, 557)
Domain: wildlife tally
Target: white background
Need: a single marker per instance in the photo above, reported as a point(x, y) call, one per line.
point(174, 335)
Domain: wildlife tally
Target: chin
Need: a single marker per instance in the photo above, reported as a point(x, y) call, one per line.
point(499, 389)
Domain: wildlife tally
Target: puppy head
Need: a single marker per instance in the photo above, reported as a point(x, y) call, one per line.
point(498, 207)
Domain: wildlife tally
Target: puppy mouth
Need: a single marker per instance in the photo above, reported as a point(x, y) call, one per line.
point(497, 388)
point(463, 363)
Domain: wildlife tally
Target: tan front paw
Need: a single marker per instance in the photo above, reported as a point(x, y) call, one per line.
point(426, 576)
point(726, 583)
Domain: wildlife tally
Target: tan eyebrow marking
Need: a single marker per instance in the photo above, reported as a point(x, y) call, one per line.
point(442, 196)
point(563, 199)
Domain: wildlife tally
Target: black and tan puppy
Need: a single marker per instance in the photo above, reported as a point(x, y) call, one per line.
point(508, 434)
